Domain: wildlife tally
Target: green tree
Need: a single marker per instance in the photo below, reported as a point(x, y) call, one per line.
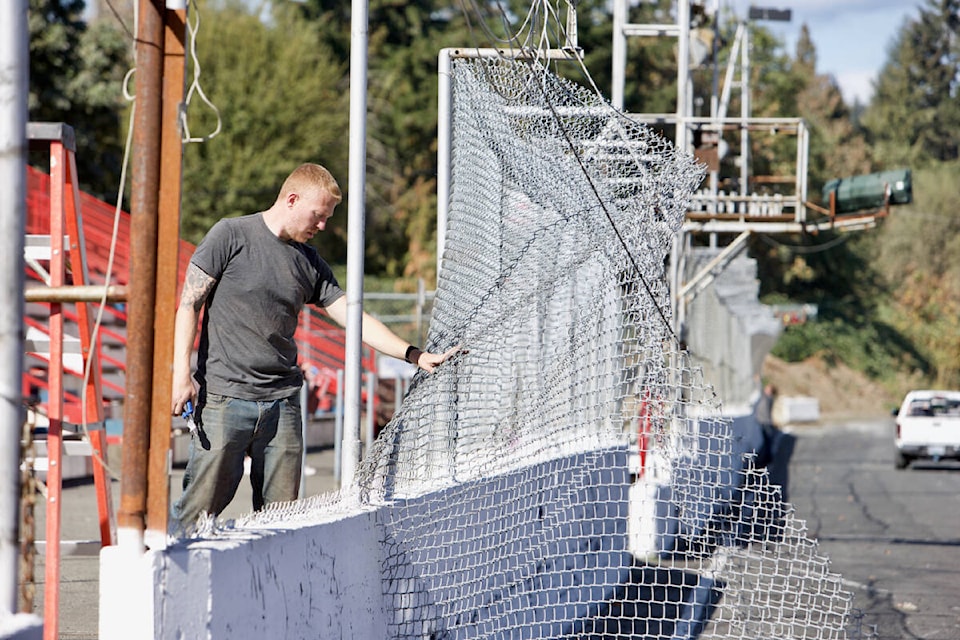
point(282, 100)
point(837, 146)
point(76, 76)
point(914, 116)
point(100, 105)
point(917, 256)
point(405, 39)
point(55, 30)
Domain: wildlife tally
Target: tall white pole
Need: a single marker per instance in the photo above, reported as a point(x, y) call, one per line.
point(619, 53)
point(304, 421)
point(745, 109)
point(444, 145)
point(14, 71)
point(682, 138)
point(683, 74)
point(355, 240)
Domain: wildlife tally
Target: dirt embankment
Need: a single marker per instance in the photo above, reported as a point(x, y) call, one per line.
point(841, 391)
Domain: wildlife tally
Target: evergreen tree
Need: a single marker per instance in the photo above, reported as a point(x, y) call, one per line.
point(914, 117)
point(837, 147)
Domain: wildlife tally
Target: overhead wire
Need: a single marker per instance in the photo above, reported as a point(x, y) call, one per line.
point(805, 249)
point(116, 14)
point(469, 7)
point(529, 37)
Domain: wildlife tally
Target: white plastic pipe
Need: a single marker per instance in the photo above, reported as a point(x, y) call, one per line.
point(745, 109)
point(684, 93)
point(370, 421)
point(619, 53)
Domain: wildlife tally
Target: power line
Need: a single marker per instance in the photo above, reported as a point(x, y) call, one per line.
point(116, 15)
point(805, 249)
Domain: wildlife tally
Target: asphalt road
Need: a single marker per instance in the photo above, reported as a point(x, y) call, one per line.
point(894, 536)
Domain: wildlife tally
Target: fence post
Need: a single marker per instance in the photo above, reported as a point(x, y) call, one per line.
point(371, 392)
point(338, 428)
point(304, 416)
point(421, 303)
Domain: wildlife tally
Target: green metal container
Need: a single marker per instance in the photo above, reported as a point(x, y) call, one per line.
point(869, 191)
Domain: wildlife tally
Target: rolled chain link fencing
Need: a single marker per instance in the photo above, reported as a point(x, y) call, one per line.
point(569, 473)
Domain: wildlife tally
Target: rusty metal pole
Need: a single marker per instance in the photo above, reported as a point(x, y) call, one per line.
point(168, 244)
point(143, 268)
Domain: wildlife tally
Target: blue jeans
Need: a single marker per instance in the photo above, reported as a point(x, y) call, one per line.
point(228, 429)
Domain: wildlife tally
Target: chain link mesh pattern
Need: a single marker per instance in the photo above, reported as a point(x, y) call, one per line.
point(569, 473)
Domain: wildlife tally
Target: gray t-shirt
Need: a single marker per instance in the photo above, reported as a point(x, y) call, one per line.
point(247, 348)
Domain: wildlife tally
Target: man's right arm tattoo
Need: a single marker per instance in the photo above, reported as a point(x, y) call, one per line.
point(196, 287)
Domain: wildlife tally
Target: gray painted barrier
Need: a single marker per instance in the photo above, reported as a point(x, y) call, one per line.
point(565, 557)
point(563, 569)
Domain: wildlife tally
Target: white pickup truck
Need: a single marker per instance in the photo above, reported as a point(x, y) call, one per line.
point(928, 426)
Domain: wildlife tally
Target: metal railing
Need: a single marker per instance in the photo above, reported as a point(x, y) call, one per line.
point(407, 314)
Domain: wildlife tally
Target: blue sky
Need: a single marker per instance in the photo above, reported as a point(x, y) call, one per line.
point(851, 36)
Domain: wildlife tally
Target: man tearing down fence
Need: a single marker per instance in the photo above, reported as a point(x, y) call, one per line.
point(254, 274)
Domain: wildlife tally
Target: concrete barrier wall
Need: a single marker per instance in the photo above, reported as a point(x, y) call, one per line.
point(423, 566)
point(21, 626)
point(296, 582)
point(494, 566)
point(412, 568)
point(794, 409)
point(327, 580)
point(705, 484)
point(729, 332)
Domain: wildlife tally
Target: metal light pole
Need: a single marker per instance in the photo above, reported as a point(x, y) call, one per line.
point(14, 73)
point(355, 240)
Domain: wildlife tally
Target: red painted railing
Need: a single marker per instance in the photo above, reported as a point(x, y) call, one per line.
point(321, 341)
